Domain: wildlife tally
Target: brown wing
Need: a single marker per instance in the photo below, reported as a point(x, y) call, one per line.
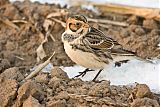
point(97, 40)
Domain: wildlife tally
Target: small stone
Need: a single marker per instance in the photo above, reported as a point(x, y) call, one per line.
point(150, 23)
point(139, 31)
point(59, 73)
point(141, 91)
point(42, 78)
point(100, 89)
point(62, 95)
point(8, 90)
point(54, 82)
point(75, 82)
point(49, 91)
point(144, 102)
point(10, 46)
point(12, 73)
point(31, 102)
point(132, 28)
point(4, 64)
point(58, 103)
point(125, 33)
point(29, 88)
point(132, 20)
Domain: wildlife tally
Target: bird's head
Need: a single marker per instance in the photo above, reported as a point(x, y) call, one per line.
point(77, 24)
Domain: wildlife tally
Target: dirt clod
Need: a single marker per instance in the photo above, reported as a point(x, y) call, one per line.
point(150, 24)
point(12, 73)
point(4, 64)
point(145, 102)
point(8, 92)
point(100, 89)
point(31, 102)
point(42, 78)
point(58, 103)
point(141, 91)
point(58, 72)
point(29, 88)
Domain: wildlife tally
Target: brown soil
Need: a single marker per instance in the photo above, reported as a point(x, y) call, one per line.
point(20, 40)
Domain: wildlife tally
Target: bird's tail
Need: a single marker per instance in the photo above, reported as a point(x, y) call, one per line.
point(130, 57)
point(122, 58)
point(122, 54)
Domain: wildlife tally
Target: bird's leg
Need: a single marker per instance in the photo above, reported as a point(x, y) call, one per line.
point(118, 64)
point(83, 73)
point(97, 75)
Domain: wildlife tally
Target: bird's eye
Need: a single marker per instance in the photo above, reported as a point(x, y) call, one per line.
point(78, 24)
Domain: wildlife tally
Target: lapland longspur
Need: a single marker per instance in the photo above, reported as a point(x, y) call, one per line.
point(90, 47)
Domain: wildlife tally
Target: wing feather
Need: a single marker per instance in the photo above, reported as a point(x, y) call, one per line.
point(97, 40)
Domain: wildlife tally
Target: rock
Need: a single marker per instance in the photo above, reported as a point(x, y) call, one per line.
point(42, 78)
point(132, 28)
point(4, 64)
point(49, 91)
point(132, 20)
point(10, 45)
point(59, 73)
point(144, 102)
point(139, 31)
point(54, 82)
point(107, 101)
point(8, 92)
point(75, 82)
point(150, 23)
point(124, 33)
point(62, 95)
point(29, 88)
point(141, 91)
point(100, 89)
point(11, 12)
point(58, 103)
point(12, 73)
point(31, 102)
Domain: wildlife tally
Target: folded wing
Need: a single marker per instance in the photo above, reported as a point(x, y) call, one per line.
point(97, 40)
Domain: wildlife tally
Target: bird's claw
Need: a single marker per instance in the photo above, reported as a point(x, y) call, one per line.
point(83, 73)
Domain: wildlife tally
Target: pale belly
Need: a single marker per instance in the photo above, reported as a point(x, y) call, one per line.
point(85, 59)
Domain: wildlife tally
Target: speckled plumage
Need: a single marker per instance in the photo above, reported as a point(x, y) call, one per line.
point(90, 47)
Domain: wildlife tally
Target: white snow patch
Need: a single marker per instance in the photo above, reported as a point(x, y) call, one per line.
point(129, 73)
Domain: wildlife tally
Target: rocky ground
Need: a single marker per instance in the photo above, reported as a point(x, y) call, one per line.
point(24, 43)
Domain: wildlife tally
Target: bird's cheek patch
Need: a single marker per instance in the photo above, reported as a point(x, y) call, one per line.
point(73, 27)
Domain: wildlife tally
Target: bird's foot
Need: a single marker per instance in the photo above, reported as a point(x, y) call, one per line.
point(82, 74)
point(118, 64)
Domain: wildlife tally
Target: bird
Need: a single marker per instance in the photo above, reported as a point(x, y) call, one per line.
point(90, 47)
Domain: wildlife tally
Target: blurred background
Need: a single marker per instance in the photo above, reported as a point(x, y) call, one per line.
point(139, 3)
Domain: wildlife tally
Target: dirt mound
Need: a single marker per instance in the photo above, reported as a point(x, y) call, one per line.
point(31, 32)
point(56, 89)
point(8, 91)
